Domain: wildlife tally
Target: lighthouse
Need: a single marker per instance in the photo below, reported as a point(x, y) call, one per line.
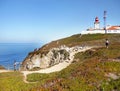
point(96, 23)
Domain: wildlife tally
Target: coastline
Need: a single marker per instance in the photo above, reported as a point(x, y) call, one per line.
point(10, 52)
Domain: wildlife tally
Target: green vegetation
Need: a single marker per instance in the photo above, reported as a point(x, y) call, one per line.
point(75, 40)
point(13, 81)
point(113, 84)
point(86, 74)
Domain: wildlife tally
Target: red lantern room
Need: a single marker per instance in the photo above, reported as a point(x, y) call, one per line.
point(96, 23)
point(96, 20)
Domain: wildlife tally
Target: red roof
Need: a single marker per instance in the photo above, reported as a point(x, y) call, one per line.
point(114, 28)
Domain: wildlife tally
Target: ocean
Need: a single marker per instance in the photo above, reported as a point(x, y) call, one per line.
point(10, 52)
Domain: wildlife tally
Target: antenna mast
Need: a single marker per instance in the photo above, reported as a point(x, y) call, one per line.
point(105, 21)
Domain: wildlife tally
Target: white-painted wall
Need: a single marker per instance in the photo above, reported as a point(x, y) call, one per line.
point(96, 25)
point(100, 31)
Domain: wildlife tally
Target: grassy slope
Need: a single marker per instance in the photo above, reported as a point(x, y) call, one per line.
point(86, 74)
point(74, 40)
point(13, 81)
point(89, 72)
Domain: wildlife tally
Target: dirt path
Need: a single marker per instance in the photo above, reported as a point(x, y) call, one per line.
point(57, 67)
point(54, 68)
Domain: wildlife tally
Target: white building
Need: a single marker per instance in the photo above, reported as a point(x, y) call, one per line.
point(97, 29)
point(113, 29)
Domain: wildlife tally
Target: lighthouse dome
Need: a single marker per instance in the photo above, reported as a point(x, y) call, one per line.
point(96, 19)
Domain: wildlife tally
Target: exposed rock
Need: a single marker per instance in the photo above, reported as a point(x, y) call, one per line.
point(112, 75)
point(52, 57)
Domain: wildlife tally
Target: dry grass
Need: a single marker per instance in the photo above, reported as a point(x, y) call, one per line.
point(86, 74)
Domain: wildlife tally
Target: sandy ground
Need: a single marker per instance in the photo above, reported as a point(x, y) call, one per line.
point(1, 71)
point(57, 67)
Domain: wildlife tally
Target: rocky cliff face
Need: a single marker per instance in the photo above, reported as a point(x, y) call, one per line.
point(44, 60)
point(52, 57)
point(55, 52)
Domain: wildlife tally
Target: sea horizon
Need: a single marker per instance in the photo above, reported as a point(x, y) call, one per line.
point(10, 52)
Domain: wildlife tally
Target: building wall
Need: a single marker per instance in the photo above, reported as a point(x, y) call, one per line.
point(97, 26)
point(100, 31)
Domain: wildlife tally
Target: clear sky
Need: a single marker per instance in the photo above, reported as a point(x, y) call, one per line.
point(48, 20)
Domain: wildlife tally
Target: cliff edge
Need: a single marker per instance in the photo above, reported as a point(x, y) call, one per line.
point(61, 50)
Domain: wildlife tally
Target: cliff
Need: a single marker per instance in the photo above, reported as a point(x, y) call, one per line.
point(44, 60)
point(61, 50)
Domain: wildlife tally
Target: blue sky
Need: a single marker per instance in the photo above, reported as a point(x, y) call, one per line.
point(48, 20)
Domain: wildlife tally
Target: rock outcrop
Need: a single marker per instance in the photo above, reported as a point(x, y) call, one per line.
point(52, 57)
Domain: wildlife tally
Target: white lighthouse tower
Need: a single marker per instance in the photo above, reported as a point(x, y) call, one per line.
point(96, 23)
